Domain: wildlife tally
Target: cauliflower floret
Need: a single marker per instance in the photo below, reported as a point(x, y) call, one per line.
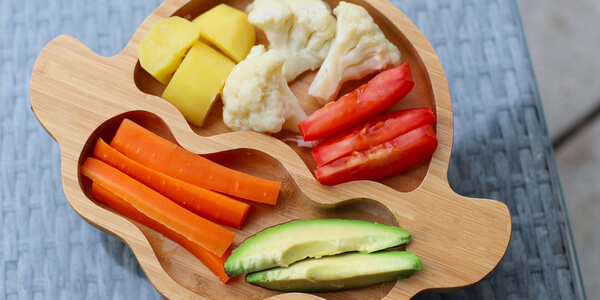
point(358, 49)
point(300, 30)
point(256, 96)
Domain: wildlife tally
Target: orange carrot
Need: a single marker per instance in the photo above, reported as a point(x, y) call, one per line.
point(205, 203)
point(166, 157)
point(209, 235)
point(211, 261)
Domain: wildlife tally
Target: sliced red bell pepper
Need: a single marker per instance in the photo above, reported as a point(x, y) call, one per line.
point(367, 101)
point(381, 161)
point(371, 132)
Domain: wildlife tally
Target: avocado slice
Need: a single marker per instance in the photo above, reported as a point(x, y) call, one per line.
point(338, 272)
point(284, 244)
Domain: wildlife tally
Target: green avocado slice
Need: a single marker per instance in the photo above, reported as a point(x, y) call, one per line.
point(284, 244)
point(339, 272)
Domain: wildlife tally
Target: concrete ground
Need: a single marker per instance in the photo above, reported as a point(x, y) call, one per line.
point(564, 41)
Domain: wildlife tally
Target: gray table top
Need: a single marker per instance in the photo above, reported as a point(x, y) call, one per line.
point(501, 151)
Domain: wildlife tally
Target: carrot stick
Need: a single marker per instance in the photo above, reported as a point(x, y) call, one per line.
point(209, 235)
point(166, 157)
point(211, 261)
point(205, 203)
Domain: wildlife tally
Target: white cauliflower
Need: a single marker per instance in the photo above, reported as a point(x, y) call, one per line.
point(256, 96)
point(358, 49)
point(300, 30)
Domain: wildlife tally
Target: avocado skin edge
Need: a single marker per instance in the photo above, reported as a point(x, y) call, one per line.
point(339, 272)
point(284, 244)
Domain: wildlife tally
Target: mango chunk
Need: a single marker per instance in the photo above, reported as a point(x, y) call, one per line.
point(197, 82)
point(228, 29)
point(163, 48)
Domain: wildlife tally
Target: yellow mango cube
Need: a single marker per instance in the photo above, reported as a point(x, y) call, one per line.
point(228, 29)
point(163, 48)
point(197, 82)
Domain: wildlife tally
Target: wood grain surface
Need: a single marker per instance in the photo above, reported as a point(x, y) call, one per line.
point(79, 96)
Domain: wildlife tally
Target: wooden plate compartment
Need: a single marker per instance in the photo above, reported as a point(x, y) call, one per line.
point(79, 96)
point(292, 204)
point(421, 96)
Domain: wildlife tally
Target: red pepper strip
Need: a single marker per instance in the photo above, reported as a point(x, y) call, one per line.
point(371, 132)
point(365, 102)
point(381, 161)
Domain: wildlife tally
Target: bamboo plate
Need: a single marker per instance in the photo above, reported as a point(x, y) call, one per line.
point(79, 96)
